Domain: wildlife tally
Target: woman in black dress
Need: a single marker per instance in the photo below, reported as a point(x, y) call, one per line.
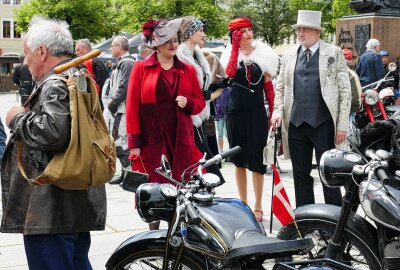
point(252, 65)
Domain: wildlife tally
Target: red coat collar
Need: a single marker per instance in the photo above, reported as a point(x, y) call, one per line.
point(152, 61)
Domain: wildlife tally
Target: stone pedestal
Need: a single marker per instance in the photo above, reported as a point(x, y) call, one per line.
point(353, 32)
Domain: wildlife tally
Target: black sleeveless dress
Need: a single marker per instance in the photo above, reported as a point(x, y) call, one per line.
point(247, 122)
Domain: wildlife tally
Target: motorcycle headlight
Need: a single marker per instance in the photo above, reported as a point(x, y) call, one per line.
point(371, 97)
point(336, 166)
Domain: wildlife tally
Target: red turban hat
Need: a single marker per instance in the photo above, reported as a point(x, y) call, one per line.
point(348, 55)
point(239, 23)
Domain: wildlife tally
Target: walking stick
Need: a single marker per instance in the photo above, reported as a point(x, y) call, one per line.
point(277, 133)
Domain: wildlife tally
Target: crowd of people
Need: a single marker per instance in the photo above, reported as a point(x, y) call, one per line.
point(166, 101)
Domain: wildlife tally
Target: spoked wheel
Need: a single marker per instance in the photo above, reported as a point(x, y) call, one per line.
point(358, 253)
point(153, 259)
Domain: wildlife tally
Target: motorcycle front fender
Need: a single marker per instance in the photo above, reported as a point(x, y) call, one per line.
point(331, 213)
point(155, 238)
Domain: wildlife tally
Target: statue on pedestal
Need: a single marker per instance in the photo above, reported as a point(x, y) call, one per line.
point(377, 6)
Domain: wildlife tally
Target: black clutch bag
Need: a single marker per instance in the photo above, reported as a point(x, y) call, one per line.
point(133, 179)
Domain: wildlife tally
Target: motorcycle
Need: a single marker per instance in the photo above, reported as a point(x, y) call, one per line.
point(370, 242)
point(204, 232)
point(376, 101)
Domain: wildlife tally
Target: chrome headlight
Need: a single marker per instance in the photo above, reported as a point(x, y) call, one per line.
point(371, 97)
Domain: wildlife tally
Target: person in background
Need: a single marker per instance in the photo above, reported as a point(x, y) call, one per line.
point(114, 99)
point(163, 93)
point(3, 138)
point(23, 79)
point(95, 66)
point(221, 104)
point(55, 223)
point(312, 109)
point(252, 64)
point(355, 88)
point(370, 67)
point(395, 74)
point(189, 51)
point(144, 51)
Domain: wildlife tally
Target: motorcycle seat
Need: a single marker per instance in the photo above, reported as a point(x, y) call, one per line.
point(252, 242)
point(392, 108)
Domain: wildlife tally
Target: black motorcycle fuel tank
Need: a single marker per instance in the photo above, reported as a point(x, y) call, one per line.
point(227, 217)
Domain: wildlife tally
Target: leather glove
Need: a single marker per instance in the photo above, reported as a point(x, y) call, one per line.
point(220, 84)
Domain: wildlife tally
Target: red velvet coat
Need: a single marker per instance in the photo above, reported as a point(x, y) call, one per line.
point(141, 116)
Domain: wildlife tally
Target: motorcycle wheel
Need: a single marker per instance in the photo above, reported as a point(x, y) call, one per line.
point(153, 259)
point(357, 253)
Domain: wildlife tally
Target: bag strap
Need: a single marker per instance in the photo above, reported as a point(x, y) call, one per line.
point(141, 160)
point(21, 166)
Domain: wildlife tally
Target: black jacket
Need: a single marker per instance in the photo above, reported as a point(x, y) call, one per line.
point(23, 78)
point(45, 209)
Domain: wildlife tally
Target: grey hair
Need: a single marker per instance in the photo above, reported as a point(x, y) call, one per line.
point(122, 41)
point(85, 42)
point(52, 34)
point(143, 46)
point(372, 43)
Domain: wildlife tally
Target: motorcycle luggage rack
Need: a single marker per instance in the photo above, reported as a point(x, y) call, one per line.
point(323, 264)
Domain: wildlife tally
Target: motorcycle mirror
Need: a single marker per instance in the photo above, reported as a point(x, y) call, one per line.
point(383, 154)
point(166, 168)
point(211, 180)
point(392, 66)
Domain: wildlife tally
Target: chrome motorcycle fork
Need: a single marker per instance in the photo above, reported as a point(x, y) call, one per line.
point(336, 246)
point(167, 254)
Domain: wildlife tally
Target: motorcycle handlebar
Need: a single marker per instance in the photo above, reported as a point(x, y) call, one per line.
point(381, 174)
point(223, 155)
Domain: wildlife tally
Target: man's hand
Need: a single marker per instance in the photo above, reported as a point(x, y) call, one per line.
point(276, 121)
point(182, 101)
point(340, 136)
point(135, 152)
point(13, 112)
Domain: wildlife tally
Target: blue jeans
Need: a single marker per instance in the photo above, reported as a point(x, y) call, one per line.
point(221, 128)
point(67, 251)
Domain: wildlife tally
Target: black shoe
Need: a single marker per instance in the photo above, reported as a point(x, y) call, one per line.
point(116, 180)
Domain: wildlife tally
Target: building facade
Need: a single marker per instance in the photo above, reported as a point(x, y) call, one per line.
point(10, 43)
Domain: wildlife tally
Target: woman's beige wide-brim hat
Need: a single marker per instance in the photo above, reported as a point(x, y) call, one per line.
point(309, 19)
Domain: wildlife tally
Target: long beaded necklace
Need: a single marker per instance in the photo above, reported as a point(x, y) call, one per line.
point(247, 67)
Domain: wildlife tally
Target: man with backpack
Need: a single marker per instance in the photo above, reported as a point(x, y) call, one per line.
point(55, 222)
point(114, 100)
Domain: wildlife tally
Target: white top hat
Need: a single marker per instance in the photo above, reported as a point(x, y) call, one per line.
point(309, 19)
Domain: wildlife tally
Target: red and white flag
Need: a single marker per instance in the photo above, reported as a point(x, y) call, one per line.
point(280, 203)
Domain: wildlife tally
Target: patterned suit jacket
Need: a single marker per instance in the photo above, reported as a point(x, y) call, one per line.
point(335, 88)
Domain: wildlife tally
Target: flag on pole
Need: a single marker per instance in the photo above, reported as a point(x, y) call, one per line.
point(280, 203)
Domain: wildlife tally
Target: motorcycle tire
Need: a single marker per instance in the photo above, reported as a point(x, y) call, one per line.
point(359, 252)
point(151, 258)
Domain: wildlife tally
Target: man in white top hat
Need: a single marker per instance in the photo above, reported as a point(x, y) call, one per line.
point(312, 103)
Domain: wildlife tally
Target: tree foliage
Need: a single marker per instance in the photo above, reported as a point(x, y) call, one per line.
point(92, 19)
point(340, 8)
point(272, 18)
point(133, 13)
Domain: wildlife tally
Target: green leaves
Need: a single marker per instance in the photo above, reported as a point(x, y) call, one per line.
point(93, 19)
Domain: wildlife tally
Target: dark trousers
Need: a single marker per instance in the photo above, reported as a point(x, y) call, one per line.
point(302, 141)
point(67, 251)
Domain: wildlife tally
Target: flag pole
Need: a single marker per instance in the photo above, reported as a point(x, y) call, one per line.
point(273, 186)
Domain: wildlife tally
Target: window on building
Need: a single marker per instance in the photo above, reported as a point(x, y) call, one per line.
point(6, 1)
point(16, 33)
point(6, 29)
point(17, 2)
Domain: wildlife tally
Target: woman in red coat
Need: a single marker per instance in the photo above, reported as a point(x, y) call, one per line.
point(162, 94)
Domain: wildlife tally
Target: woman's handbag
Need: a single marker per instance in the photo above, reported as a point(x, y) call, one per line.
point(268, 152)
point(133, 179)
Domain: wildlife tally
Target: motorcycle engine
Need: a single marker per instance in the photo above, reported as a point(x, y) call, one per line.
point(392, 255)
